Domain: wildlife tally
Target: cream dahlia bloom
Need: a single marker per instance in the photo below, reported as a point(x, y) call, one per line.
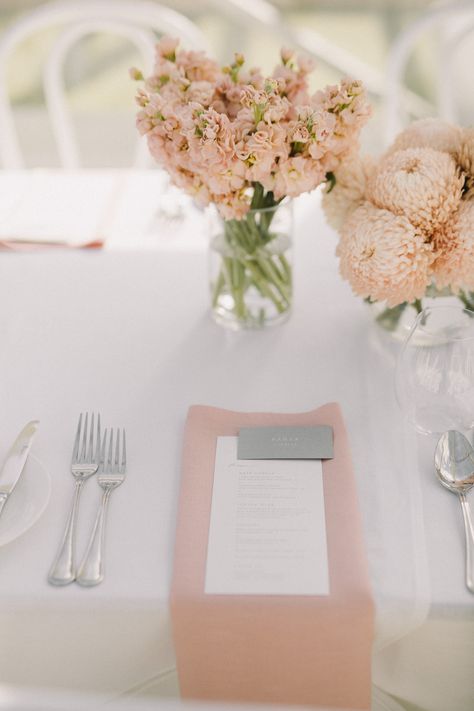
point(429, 133)
point(454, 265)
point(422, 184)
point(466, 151)
point(383, 256)
point(349, 191)
point(466, 161)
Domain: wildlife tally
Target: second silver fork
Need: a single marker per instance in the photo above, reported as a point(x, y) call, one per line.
point(111, 475)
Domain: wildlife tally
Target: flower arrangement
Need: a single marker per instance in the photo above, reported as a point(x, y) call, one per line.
point(242, 141)
point(406, 222)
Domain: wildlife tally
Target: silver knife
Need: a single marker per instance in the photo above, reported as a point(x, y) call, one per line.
point(15, 461)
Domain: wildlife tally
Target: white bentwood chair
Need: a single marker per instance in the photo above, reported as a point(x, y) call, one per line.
point(324, 50)
point(264, 14)
point(138, 21)
point(454, 22)
point(269, 17)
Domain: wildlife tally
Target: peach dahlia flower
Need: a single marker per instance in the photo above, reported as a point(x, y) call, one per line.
point(429, 133)
point(466, 160)
point(454, 265)
point(421, 184)
point(466, 151)
point(383, 256)
point(349, 190)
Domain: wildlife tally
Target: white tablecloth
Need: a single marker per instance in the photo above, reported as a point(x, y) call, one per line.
point(129, 335)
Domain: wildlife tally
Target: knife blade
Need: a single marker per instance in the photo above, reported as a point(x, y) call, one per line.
point(16, 460)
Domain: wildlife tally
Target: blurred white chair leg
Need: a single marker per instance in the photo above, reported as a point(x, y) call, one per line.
point(53, 79)
point(133, 19)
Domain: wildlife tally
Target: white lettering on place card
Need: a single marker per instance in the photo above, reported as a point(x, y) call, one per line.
point(267, 532)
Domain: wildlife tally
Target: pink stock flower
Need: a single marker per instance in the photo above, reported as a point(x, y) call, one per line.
point(454, 266)
point(349, 191)
point(299, 133)
point(286, 53)
point(267, 139)
point(230, 179)
point(201, 92)
point(166, 47)
point(295, 176)
point(293, 81)
point(197, 66)
point(305, 64)
point(219, 132)
point(233, 206)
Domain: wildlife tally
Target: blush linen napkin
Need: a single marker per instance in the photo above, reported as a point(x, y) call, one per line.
point(18, 245)
point(44, 209)
point(287, 649)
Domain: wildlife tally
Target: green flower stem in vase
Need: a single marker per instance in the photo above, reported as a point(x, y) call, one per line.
point(251, 274)
point(398, 320)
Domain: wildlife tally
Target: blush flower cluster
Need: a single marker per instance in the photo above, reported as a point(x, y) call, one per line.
point(221, 131)
point(406, 223)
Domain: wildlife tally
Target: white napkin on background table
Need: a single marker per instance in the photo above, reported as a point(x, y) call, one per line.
point(86, 208)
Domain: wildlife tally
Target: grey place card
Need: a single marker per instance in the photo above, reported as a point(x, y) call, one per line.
point(285, 443)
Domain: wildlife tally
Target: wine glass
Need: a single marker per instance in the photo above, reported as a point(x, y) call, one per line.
point(434, 376)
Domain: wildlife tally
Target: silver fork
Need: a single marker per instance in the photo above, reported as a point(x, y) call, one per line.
point(84, 463)
point(111, 475)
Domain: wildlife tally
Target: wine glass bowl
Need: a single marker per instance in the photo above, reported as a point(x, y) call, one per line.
point(434, 376)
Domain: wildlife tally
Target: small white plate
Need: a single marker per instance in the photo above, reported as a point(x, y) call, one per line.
point(27, 501)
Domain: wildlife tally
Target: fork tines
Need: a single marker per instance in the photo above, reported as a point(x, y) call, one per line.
point(116, 461)
point(81, 452)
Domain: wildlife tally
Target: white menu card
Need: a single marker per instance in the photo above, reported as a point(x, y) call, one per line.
point(267, 532)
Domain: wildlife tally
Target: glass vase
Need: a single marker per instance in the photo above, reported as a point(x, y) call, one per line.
point(251, 268)
point(398, 321)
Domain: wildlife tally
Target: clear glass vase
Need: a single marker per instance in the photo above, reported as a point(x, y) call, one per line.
point(398, 321)
point(251, 267)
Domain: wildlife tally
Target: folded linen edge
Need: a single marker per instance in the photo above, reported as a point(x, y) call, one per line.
point(18, 245)
point(209, 409)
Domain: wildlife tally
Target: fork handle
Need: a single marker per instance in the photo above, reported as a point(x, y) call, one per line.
point(62, 571)
point(91, 570)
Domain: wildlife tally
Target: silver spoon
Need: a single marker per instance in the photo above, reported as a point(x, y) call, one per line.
point(454, 463)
